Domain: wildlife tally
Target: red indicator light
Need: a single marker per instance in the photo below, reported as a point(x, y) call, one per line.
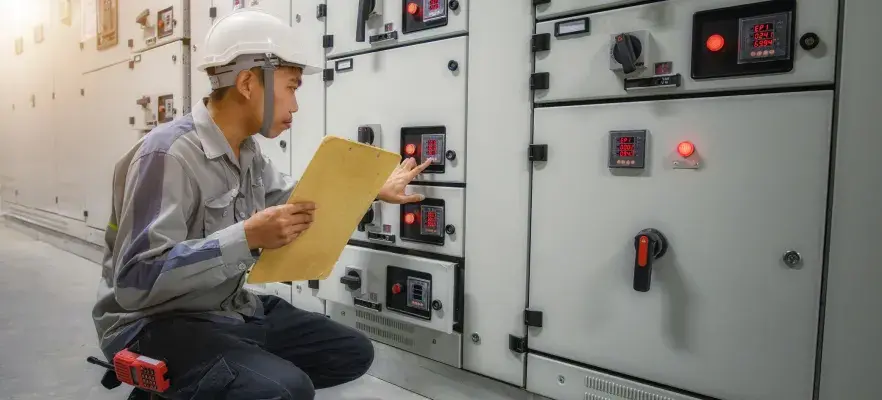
point(686, 149)
point(413, 8)
point(396, 288)
point(410, 149)
point(409, 218)
point(715, 42)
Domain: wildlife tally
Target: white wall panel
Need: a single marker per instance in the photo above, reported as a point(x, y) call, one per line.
point(71, 153)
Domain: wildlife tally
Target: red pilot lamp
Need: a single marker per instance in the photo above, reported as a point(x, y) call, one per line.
point(413, 9)
point(685, 149)
point(715, 42)
point(410, 149)
point(409, 218)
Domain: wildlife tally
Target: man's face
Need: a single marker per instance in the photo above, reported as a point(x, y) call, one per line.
point(286, 80)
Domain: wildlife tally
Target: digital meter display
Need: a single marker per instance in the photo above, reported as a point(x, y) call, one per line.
point(434, 9)
point(627, 149)
point(625, 146)
point(764, 38)
point(431, 216)
point(424, 142)
point(433, 147)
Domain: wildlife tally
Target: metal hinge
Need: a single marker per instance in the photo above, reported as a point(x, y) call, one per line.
point(533, 318)
point(538, 2)
point(313, 284)
point(517, 344)
point(538, 152)
point(541, 42)
point(327, 41)
point(328, 74)
point(540, 81)
point(212, 12)
point(322, 11)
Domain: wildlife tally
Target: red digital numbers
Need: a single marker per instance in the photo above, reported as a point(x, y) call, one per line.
point(434, 4)
point(763, 43)
point(626, 153)
point(431, 147)
point(626, 139)
point(762, 27)
point(431, 220)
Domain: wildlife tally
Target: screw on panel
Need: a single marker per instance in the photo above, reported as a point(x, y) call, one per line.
point(343, 313)
point(561, 379)
point(476, 338)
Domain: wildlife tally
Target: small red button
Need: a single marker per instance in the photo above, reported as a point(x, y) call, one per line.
point(413, 8)
point(396, 288)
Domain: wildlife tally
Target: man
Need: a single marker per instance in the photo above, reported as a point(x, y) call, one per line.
point(192, 205)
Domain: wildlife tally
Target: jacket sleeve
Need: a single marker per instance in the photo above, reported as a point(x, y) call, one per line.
point(155, 261)
point(278, 184)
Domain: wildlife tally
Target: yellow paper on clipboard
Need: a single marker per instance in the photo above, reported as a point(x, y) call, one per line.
point(343, 179)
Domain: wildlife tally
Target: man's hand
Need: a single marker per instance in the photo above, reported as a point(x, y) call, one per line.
point(393, 191)
point(277, 226)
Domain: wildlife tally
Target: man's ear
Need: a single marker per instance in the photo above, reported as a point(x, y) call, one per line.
point(244, 83)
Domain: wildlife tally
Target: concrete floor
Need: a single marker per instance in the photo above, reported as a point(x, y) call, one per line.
point(46, 331)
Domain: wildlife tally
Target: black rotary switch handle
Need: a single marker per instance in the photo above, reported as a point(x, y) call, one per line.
point(351, 280)
point(650, 245)
point(364, 10)
point(626, 51)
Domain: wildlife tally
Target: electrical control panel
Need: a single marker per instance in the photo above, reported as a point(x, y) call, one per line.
point(432, 124)
point(433, 225)
point(418, 290)
point(425, 142)
point(684, 241)
point(744, 40)
point(424, 222)
point(152, 23)
point(687, 46)
point(424, 14)
point(410, 292)
point(154, 102)
point(356, 26)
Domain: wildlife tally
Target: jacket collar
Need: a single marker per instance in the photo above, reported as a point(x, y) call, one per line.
point(214, 143)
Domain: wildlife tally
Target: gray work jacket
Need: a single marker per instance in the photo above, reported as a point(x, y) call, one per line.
point(176, 240)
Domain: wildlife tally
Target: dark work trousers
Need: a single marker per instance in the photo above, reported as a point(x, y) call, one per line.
point(285, 355)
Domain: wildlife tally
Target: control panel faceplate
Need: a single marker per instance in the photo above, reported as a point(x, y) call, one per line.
point(423, 143)
point(423, 222)
point(750, 39)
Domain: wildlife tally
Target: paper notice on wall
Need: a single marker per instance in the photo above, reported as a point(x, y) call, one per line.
point(89, 13)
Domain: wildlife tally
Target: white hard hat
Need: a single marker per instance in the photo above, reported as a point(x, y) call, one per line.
point(248, 38)
point(253, 31)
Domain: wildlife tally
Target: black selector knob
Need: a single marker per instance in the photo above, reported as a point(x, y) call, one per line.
point(436, 305)
point(365, 135)
point(651, 245)
point(351, 280)
point(626, 51)
point(454, 5)
point(453, 65)
point(450, 229)
point(450, 154)
point(809, 41)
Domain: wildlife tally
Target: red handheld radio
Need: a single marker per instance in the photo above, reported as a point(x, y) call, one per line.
point(137, 370)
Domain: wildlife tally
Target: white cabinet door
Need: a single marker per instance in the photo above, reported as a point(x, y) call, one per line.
point(724, 314)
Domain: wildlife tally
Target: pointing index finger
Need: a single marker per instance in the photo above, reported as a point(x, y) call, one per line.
point(420, 168)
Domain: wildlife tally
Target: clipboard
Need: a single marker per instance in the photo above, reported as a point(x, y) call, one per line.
point(342, 179)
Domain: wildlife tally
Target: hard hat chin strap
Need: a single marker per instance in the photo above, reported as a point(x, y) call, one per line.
point(268, 96)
